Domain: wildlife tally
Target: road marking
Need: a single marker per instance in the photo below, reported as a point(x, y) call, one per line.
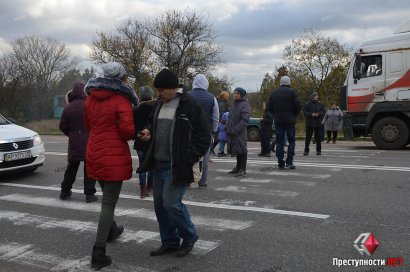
point(191, 203)
point(44, 222)
point(326, 165)
point(275, 181)
point(239, 189)
point(26, 254)
point(271, 171)
point(206, 222)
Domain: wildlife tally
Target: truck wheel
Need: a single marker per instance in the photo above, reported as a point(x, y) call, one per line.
point(253, 134)
point(390, 133)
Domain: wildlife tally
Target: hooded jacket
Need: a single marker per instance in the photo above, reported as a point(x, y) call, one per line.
point(109, 119)
point(72, 123)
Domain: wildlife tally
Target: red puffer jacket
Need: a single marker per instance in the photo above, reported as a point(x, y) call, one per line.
point(109, 119)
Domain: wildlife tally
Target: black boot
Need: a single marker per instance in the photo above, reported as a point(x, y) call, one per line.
point(115, 231)
point(99, 259)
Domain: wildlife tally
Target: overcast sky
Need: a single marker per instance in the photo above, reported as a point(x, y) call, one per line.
point(253, 33)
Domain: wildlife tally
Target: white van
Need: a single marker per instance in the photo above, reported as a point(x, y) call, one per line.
point(376, 93)
point(21, 149)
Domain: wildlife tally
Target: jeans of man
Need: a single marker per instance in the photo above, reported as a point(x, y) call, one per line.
point(145, 176)
point(281, 130)
point(172, 215)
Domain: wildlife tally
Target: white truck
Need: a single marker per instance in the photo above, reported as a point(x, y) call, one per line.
point(376, 93)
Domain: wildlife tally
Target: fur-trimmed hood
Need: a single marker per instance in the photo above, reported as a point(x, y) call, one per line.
point(111, 84)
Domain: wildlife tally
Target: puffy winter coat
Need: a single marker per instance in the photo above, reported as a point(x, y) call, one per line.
point(236, 127)
point(109, 119)
point(284, 105)
point(72, 123)
point(333, 120)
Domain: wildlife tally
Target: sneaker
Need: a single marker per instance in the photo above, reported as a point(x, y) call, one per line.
point(90, 198)
point(281, 167)
point(290, 166)
point(64, 196)
point(318, 153)
point(241, 173)
point(305, 153)
point(202, 186)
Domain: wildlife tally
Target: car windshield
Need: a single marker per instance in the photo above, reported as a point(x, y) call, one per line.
point(3, 121)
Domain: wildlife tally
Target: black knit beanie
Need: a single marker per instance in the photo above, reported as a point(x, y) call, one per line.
point(166, 79)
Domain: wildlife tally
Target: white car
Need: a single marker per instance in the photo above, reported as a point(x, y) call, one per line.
point(21, 149)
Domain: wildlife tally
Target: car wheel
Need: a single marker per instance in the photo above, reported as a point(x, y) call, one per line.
point(253, 134)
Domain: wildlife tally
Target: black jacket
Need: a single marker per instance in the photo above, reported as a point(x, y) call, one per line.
point(141, 115)
point(284, 105)
point(189, 136)
point(313, 107)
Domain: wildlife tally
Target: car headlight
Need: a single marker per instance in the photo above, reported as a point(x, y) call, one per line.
point(37, 140)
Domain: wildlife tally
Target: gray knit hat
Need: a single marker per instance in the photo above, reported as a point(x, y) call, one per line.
point(285, 80)
point(146, 93)
point(114, 70)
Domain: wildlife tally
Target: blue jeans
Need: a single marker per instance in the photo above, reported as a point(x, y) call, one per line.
point(146, 176)
point(172, 215)
point(222, 146)
point(281, 130)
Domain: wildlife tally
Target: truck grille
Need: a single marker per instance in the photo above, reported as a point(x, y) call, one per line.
point(21, 145)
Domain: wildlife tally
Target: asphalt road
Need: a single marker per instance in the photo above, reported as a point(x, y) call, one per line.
point(268, 221)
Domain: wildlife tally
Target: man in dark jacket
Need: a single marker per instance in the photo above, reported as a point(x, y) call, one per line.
point(72, 125)
point(284, 105)
point(180, 136)
point(314, 112)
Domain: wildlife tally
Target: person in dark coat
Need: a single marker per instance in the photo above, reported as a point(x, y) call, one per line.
point(236, 129)
point(333, 121)
point(314, 112)
point(141, 115)
point(179, 131)
point(284, 105)
point(72, 125)
point(266, 134)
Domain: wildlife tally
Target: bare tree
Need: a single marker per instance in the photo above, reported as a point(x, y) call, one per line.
point(184, 42)
point(40, 62)
point(129, 45)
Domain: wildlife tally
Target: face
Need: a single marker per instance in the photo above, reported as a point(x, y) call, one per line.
point(166, 94)
point(334, 106)
point(236, 96)
point(315, 98)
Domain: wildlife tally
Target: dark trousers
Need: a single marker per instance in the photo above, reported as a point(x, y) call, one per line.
point(241, 161)
point(309, 132)
point(265, 141)
point(70, 175)
point(283, 129)
point(329, 133)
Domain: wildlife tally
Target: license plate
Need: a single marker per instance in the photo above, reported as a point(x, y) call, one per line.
point(17, 155)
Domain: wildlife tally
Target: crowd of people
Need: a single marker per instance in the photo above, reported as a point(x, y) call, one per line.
point(173, 133)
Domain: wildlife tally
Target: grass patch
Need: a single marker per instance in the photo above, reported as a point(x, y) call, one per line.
point(47, 127)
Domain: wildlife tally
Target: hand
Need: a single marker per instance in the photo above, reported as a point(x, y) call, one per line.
point(144, 135)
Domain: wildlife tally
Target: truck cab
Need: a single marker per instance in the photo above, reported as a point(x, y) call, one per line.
point(376, 93)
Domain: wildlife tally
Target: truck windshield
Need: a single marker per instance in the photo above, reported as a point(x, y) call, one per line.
point(369, 66)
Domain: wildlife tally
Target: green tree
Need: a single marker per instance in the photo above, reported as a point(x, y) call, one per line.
point(312, 61)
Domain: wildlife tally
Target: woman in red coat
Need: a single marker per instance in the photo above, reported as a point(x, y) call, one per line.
point(109, 120)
